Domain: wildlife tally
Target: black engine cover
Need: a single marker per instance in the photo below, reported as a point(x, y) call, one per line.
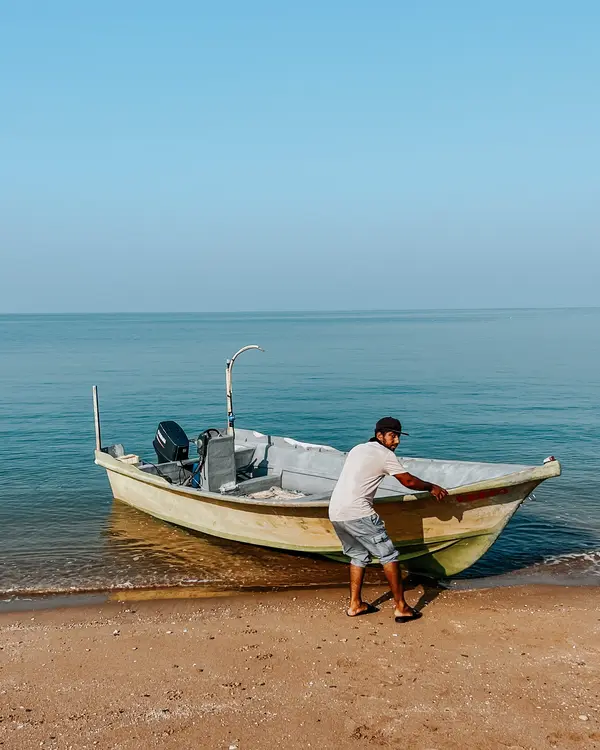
point(170, 443)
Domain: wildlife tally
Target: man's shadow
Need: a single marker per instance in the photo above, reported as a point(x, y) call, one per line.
point(431, 590)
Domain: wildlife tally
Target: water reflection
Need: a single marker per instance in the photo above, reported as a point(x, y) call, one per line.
point(149, 552)
point(127, 549)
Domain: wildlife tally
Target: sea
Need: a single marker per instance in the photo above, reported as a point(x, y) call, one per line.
point(511, 386)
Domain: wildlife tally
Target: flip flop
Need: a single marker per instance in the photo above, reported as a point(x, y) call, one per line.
point(368, 611)
point(415, 615)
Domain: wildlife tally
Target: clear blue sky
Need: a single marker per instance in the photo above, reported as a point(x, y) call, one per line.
point(309, 155)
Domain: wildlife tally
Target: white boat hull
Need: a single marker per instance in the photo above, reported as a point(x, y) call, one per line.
point(438, 539)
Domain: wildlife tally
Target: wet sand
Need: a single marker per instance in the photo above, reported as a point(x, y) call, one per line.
point(503, 668)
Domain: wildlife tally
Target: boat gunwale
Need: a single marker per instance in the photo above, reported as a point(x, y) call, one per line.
point(532, 474)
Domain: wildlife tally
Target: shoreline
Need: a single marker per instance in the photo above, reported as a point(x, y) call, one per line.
point(497, 668)
point(38, 600)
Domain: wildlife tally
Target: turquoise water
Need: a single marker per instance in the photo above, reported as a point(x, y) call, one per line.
point(504, 385)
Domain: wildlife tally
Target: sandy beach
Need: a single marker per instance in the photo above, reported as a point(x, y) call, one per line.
point(501, 668)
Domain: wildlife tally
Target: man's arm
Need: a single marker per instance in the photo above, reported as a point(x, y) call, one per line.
point(414, 483)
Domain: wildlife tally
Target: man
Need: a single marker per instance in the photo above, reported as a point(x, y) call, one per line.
point(361, 531)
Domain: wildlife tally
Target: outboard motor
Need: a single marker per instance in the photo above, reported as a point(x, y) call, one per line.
point(171, 443)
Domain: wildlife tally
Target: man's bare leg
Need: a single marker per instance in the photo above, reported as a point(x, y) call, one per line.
point(394, 578)
point(357, 576)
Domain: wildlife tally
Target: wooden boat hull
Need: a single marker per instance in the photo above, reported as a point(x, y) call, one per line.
point(436, 539)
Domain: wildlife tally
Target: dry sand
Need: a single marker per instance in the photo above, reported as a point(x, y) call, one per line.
point(504, 668)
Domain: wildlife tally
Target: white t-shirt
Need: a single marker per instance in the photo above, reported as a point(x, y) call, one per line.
point(365, 467)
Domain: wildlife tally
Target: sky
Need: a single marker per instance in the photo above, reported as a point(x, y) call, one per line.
point(196, 156)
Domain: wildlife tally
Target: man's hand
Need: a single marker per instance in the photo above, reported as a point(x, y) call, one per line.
point(414, 483)
point(438, 492)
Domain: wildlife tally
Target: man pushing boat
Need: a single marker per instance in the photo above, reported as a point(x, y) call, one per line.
point(359, 528)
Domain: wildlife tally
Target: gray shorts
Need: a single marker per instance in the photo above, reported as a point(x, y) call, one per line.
point(364, 539)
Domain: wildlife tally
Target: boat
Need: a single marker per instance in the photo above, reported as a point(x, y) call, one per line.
point(273, 491)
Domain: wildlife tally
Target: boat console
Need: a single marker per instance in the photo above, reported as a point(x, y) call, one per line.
point(217, 466)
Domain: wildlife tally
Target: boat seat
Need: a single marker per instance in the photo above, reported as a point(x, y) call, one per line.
point(243, 456)
point(257, 484)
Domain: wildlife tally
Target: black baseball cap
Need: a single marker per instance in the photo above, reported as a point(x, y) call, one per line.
point(390, 424)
